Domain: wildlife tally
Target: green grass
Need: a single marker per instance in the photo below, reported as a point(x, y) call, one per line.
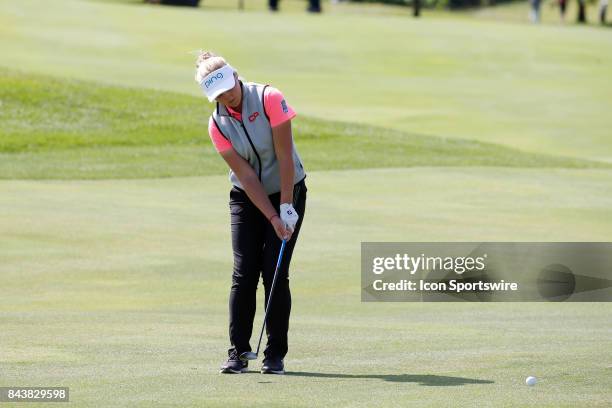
point(43, 113)
point(533, 88)
point(118, 289)
point(64, 129)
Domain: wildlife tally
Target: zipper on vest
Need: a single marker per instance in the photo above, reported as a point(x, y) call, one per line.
point(253, 147)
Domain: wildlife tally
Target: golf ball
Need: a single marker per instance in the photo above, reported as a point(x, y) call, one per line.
point(531, 381)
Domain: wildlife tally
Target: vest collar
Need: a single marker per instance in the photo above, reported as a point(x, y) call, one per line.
point(222, 110)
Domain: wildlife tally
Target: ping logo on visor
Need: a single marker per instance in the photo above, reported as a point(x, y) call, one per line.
point(218, 81)
point(210, 81)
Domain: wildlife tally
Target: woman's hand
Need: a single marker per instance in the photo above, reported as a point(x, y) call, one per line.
point(279, 226)
point(289, 216)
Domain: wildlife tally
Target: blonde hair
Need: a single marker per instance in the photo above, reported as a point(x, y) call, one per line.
point(206, 63)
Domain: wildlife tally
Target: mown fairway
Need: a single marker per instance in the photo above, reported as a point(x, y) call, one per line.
point(114, 227)
point(545, 89)
point(119, 289)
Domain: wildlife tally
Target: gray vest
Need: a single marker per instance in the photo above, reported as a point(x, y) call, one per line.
point(252, 138)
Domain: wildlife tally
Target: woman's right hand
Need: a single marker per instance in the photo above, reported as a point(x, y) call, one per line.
point(279, 227)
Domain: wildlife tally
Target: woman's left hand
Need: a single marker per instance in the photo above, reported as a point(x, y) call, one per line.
point(289, 216)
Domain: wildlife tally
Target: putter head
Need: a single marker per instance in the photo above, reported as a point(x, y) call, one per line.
point(248, 355)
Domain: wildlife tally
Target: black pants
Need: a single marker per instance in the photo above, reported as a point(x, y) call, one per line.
point(314, 5)
point(256, 249)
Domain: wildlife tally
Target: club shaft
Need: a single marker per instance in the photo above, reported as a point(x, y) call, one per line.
point(278, 263)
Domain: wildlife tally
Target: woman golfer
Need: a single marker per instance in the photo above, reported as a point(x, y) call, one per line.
point(251, 129)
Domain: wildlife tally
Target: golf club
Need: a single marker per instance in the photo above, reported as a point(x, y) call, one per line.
point(249, 355)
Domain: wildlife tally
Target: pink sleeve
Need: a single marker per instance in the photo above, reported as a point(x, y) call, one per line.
point(219, 141)
point(277, 109)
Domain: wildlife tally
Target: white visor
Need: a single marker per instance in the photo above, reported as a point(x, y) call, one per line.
point(217, 82)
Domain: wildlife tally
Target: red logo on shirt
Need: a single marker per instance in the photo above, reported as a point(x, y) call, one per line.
point(253, 117)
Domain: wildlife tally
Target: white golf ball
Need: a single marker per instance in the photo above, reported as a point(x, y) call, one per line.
point(531, 381)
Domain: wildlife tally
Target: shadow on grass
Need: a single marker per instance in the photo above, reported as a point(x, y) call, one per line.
point(421, 379)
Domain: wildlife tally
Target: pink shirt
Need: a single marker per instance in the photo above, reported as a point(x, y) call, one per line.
point(275, 106)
